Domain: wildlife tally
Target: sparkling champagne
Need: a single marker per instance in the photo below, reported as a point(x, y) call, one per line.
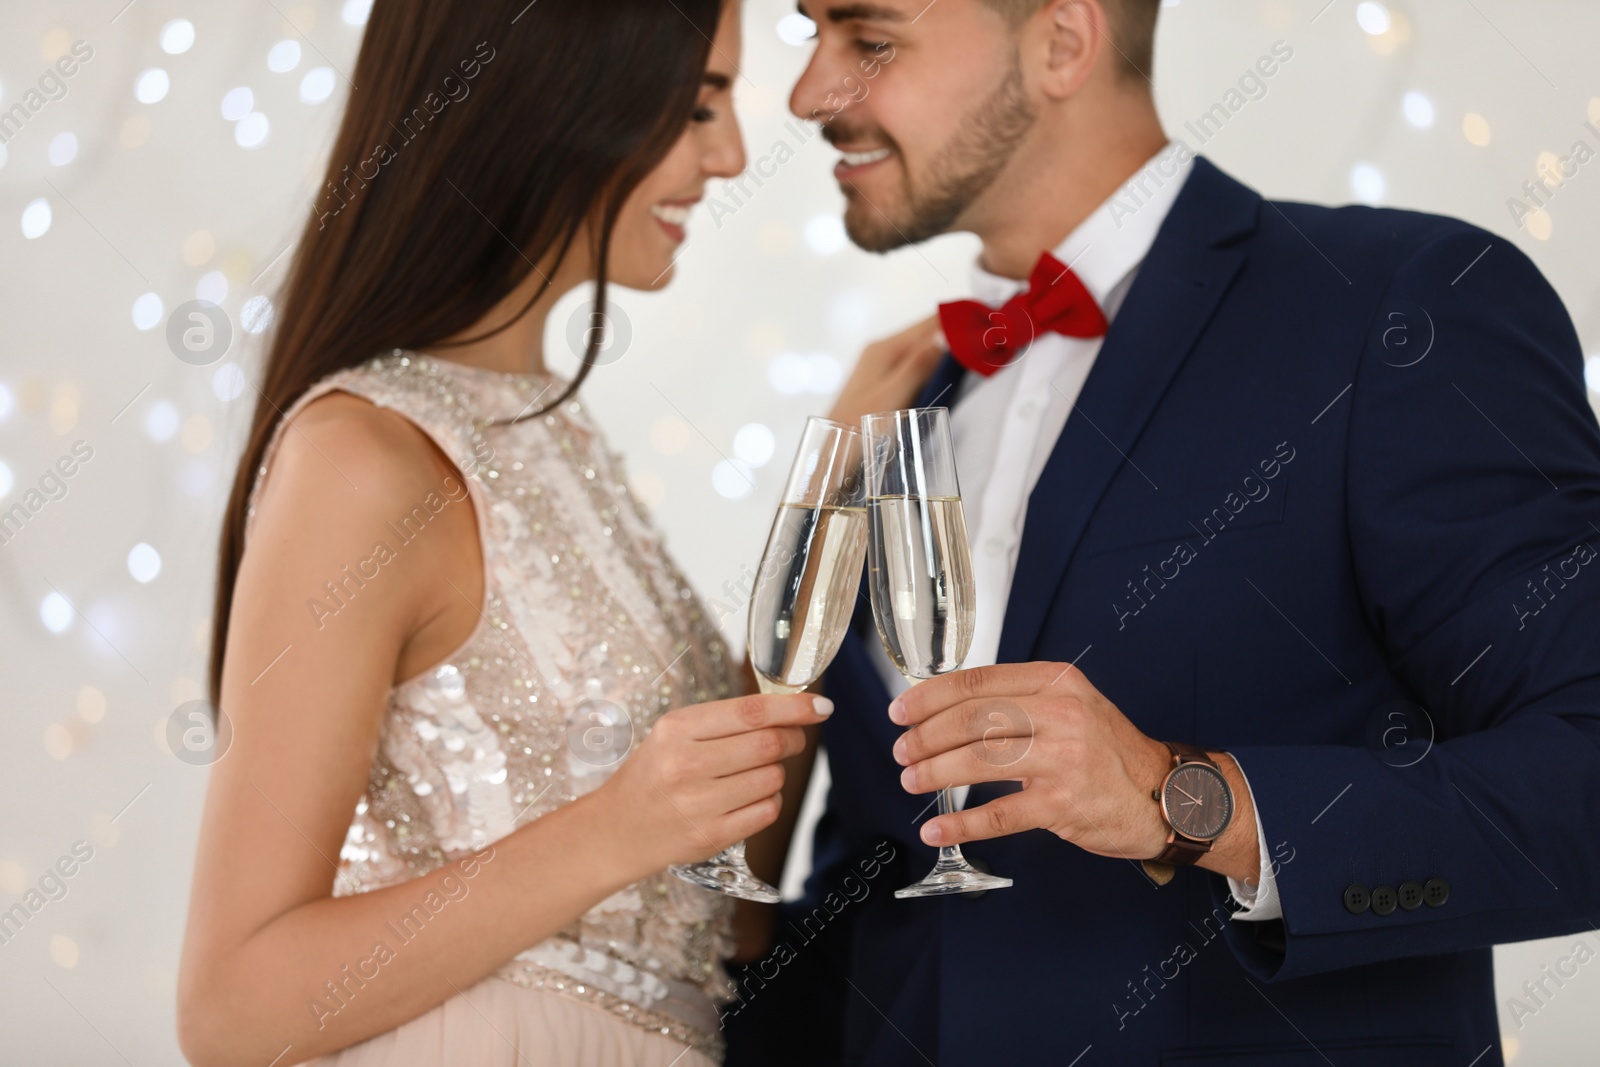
point(921, 575)
point(805, 593)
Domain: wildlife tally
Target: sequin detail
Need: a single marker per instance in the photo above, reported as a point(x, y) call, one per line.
point(588, 631)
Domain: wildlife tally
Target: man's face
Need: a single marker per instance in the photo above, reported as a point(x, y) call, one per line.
point(926, 103)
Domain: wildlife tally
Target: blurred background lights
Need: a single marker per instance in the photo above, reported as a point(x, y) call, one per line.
point(251, 131)
point(1475, 128)
point(63, 148)
point(317, 85)
point(793, 374)
point(1366, 182)
point(795, 29)
point(212, 286)
point(151, 86)
point(228, 382)
point(64, 951)
point(8, 402)
point(144, 563)
point(284, 56)
point(1418, 110)
point(754, 444)
point(1591, 373)
point(2, 155)
point(36, 218)
point(7, 480)
point(161, 421)
point(237, 103)
point(147, 312)
point(177, 37)
point(355, 12)
point(55, 613)
point(825, 234)
point(731, 478)
point(1373, 17)
point(256, 315)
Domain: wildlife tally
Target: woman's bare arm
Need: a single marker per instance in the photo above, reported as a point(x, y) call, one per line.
point(268, 952)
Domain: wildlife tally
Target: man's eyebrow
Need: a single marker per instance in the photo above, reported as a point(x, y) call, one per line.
point(717, 81)
point(860, 13)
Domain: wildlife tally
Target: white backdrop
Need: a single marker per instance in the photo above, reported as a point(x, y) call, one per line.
point(177, 161)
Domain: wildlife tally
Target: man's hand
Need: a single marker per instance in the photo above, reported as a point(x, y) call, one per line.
point(1087, 773)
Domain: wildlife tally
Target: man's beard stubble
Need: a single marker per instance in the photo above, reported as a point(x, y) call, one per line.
point(975, 155)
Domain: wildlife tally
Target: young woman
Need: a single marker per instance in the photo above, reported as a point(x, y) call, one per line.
point(476, 711)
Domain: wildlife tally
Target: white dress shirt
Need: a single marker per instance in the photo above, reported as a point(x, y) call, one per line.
point(1006, 425)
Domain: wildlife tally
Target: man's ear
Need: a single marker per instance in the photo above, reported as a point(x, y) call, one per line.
point(1068, 40)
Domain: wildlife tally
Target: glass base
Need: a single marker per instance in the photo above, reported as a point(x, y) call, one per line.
point(950, 876)
point(726, 873)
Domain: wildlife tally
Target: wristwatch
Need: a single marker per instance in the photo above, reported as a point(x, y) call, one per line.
point(1197, 806)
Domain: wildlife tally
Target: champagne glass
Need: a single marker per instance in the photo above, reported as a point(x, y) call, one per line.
point(920, 573)
point(804, 595)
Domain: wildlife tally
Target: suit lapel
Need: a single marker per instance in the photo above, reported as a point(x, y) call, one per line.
point(1178, 288)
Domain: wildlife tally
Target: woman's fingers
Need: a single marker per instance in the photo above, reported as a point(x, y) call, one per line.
point(726, 718)
point(724, 756)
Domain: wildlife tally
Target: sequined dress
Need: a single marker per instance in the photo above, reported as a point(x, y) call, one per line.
point(588, 633)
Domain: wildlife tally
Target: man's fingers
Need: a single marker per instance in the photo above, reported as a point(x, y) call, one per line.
point(997, 731)
point(926, 699)
point(1001, 817)
point(724, 718)
point(961, 767)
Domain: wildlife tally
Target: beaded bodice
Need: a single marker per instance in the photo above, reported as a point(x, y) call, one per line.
point(588, 633)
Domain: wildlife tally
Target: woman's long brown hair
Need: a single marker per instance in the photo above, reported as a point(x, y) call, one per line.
point(479, 137)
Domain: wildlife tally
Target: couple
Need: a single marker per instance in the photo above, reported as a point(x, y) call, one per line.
point(1308, 493)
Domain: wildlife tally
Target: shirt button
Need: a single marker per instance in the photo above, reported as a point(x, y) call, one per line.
point(994, 546)
point(1027, 410)
point(1384, 900)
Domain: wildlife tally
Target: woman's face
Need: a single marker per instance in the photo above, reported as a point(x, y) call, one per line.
point(651, 229)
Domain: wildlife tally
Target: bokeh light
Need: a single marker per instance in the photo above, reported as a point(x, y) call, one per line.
point(55, 613)
point(151, 86)
point(63, 148)
point(144, 563)
point(795, 29)
point(754, 444)
point(1367, 183)
point(228, 382)
point(284, 56)
point(237, 103)
point(147, 312)
point(732, 479)
point(1418, 110)
point(36, 217)
point(177, 37)
point(161, 421)
point(1373, 17)
point(317, 85)
point(252, 130)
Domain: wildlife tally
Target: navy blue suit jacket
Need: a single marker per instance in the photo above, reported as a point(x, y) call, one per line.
point(1333, 505)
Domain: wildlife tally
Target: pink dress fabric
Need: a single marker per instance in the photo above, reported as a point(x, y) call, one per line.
point(588, 633)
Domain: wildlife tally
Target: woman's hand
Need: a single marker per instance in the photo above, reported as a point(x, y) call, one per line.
point(705, 777)
point(891, 372)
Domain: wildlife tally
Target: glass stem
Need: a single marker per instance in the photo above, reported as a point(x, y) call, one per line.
point(949, 854)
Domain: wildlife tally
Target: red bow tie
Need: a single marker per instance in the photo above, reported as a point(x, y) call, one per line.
point(984, 339)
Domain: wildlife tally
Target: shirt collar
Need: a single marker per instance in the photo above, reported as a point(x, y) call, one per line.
point(1111, 243)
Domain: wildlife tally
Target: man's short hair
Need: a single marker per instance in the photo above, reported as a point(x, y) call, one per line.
point(1133, 29)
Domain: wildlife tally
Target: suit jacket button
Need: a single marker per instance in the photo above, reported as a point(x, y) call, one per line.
point(1435, 892)
point(1384, 900)
point(1410, 895)
point(1356, 899)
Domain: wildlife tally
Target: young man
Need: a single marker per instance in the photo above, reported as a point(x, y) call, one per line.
point(1309, 494)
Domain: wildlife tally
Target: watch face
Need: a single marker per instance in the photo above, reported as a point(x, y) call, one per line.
point(1197, 801)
